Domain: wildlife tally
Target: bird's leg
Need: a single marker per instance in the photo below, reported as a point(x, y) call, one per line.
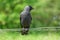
point(26, 30)
point(23, 31)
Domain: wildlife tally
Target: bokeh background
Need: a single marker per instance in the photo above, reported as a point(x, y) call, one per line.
point(46, 13)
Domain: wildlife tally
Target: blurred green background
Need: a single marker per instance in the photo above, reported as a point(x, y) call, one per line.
point(46, 13)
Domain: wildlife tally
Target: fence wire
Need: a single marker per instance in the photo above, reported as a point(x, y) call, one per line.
point(35, 29)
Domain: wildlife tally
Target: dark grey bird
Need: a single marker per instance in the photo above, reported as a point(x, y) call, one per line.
point(25, 19)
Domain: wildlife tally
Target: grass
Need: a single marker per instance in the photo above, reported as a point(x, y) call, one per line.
point(31, 36)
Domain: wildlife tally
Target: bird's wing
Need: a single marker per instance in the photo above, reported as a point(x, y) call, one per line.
point(31, 18)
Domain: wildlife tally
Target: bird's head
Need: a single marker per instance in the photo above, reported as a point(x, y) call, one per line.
point(28, 8)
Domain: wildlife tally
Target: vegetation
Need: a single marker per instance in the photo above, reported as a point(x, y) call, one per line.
point(46, 13)
point(40, 36)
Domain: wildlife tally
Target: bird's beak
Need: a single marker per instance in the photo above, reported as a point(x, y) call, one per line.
point(32, 8)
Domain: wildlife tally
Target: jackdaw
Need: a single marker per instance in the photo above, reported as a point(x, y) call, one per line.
point(25, 20)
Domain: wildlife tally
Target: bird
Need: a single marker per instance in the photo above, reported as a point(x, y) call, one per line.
point(25, 19)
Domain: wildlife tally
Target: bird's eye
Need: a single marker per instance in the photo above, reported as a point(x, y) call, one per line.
point(30, 8)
